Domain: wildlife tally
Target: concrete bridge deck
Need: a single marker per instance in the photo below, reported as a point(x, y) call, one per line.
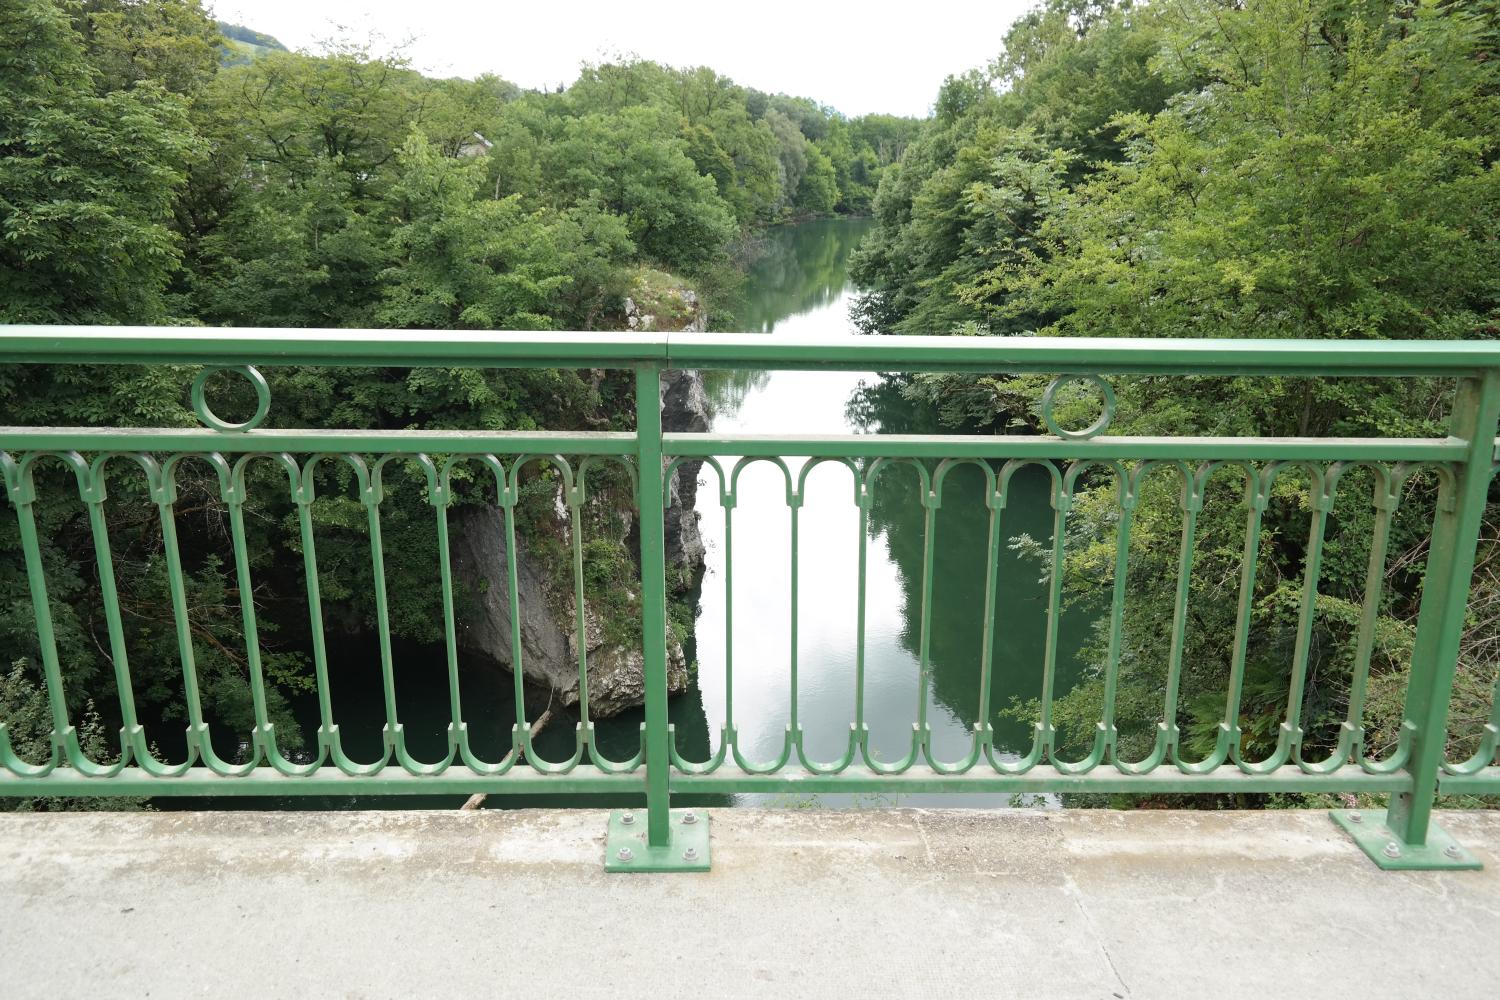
point(901, 903)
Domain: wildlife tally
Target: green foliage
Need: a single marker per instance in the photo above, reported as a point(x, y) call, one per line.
point(24, 708)
point(970, 192)
point(1361, 209)
point(86, 182)
point(673, 213)
point(172, 43)
point(462, 261)
point(1287, 168)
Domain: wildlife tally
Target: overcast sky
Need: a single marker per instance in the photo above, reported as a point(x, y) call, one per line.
point(860, 58)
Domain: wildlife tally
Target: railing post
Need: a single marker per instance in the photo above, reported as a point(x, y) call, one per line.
point(673, 840)
point(1408, 839)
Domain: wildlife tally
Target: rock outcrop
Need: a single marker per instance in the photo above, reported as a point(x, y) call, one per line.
point(549, 644)
point(549, 641)
point(685, 409)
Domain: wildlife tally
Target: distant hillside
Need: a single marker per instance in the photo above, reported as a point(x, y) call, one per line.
point(241, 45)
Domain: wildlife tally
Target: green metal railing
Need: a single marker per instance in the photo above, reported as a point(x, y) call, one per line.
point(1464, 462)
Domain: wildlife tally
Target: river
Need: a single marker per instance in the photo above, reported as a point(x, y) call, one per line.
point(801, 286)
point(798, 285)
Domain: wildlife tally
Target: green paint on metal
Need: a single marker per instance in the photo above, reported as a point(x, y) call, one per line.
point(658, 839)
point(652, 504)
point(262, 399)
point(628, 847)
point(1388, 850)
point(1445, 589)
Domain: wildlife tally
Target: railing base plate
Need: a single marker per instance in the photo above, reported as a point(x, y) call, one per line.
point(1386, 849)
point(626, 850)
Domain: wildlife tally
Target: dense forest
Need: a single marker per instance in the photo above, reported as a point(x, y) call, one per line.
point(158, 168)
point(1209, 168)
point(1279, 168)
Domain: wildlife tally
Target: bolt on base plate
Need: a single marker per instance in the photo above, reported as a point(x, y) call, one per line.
point(1369, 831)
point(626, 850)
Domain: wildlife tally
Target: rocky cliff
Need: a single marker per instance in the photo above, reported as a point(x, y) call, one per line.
point(548, 626)
point(549, 646)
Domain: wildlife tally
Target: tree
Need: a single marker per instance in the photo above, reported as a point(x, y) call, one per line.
point(173, 43)
point(86, 182)
point(462, 261)
point(1366, 208)
point(674, 213)
point(818, 191)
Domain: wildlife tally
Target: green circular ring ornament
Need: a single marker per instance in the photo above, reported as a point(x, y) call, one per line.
point(262, 397)
point(1098, 426)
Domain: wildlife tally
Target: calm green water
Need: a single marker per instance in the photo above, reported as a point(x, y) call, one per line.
point(798, 286)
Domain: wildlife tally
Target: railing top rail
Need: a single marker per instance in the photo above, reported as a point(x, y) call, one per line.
point(414, 348)
point(1056, 355)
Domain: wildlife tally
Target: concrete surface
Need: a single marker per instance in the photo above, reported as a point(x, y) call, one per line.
point(904, 903)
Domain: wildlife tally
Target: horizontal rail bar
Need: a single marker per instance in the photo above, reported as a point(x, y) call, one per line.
point(379, 348)
point(159, 439)
point(857, 779)
point(1482, 782)
point(1019, 446)
point(586, 779)
point(583, 779)
point(203, 440)
point(406, 348)
point(1058, 355)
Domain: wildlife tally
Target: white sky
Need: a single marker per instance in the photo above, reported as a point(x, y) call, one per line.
point(860, 58)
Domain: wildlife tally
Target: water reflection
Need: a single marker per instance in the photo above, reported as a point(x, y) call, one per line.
point(786, 300)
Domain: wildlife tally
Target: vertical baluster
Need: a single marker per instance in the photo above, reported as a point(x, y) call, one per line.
point(924, 626)
point(1128, 499)
point(1062, 503)
point(166, 498)
point(1257, 495)
point(1192, 504)
point(729, 734)
point(64, 737)
point(441, 497)
point(394, 739)
point(860, 728)
point(304, 498)
point(794, 729)
point(265, 734)
point(1307, 613)
point(987, 649)
point(580, 625)
point(1351, 737)
point(132, 735)
point(513, 584)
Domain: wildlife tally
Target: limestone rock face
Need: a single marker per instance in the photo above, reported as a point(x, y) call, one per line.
point(617, 677)
point(660, 302)
point(477, 547)
point(549, 643)
point(685, 409)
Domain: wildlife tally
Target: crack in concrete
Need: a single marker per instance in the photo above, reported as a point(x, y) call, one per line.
point(1076, 894)
point(926, 844)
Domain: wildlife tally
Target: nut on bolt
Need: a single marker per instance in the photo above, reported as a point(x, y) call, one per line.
point(688, 819)
point(1392, 850)
point(626, 855)
point(1355, 817)
point(691, 854)
point(627, 819)
point(1453, 851)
